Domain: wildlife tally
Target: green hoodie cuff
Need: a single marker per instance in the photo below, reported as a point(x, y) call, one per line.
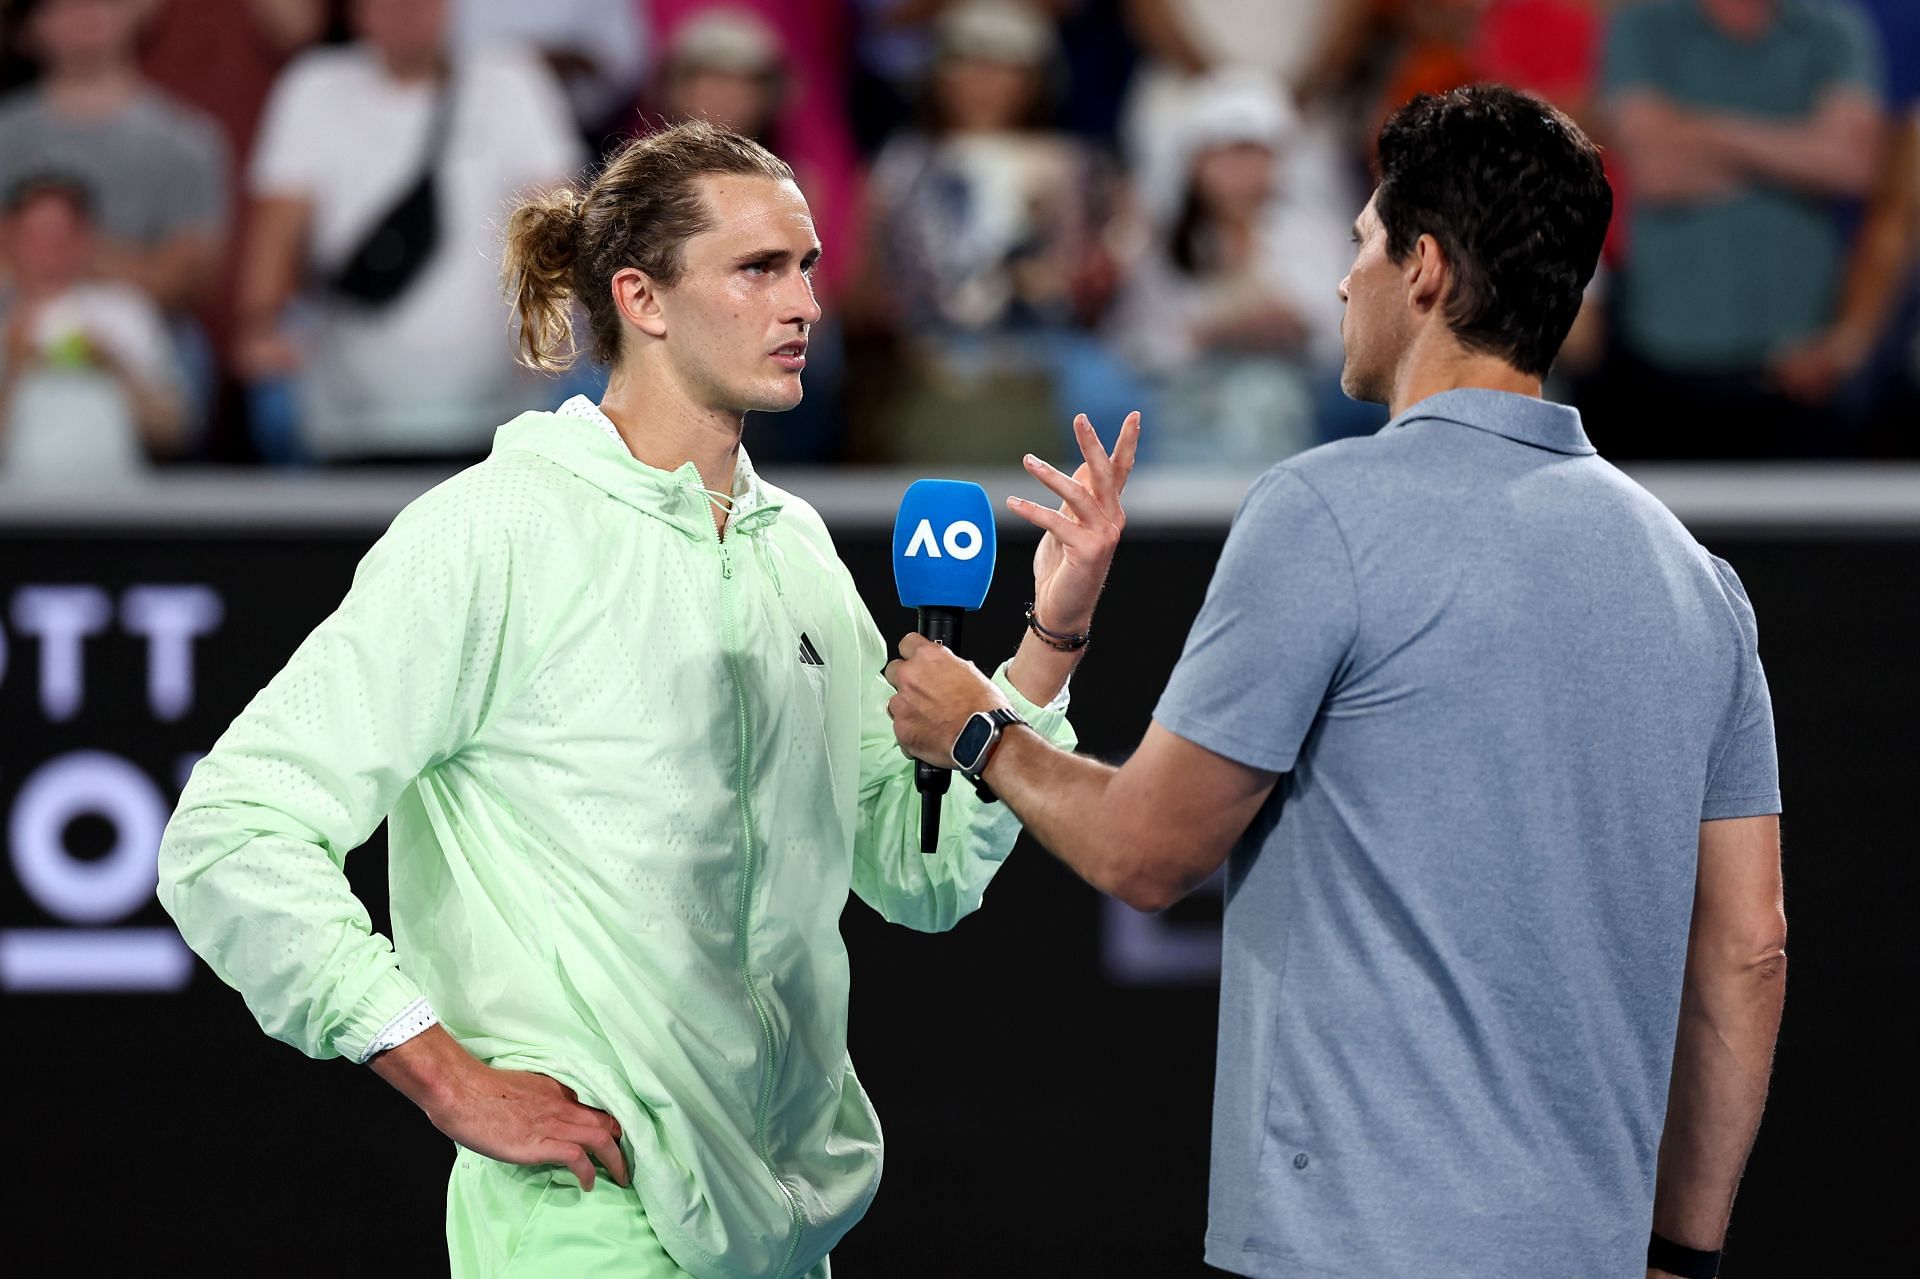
point(1050, 721)
point(391, 998)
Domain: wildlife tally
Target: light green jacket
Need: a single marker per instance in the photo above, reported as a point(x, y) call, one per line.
point(625, 816)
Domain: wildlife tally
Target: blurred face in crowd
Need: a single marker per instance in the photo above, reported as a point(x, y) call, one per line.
point(1746, 19)
point(741, 101)
point(1234, 181)
point(1375, 328)
point(736, 321)
point(71, 34)
point(406, 32)
point(48, 244)
point(974, 95)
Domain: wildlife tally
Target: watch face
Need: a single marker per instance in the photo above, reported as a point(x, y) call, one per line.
point(973, 740)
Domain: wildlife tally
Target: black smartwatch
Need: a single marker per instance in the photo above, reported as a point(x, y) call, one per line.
point(974, 747)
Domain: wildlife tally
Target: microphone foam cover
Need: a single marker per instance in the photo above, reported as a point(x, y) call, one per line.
point(943, 545)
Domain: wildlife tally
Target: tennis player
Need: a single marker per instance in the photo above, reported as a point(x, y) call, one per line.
point(1482, 736)
point(623, 709)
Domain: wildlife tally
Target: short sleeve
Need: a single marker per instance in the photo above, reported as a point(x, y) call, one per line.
point(1278, 623)
point(1744, 780)
point(1851, 55)
point(531, 122)
point(1631, 60)
point(195, 198)
point(290, 152)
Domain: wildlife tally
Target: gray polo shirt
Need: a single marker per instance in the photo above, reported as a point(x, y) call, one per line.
point(1505, 686)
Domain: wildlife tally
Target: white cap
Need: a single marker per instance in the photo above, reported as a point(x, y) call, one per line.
point(1235, 105)
point(728, 40)
point(996, 31)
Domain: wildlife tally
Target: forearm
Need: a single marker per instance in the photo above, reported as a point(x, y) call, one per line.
point(1670, 150)
point(1729, 1019)
point(1065, 801)
point(270, 268)
point(1820, 158)
point(424, 1068)
point(1039, 670)
point(176, 273)
point(1884, 252)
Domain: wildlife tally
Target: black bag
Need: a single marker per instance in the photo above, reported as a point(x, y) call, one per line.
point(392, 253)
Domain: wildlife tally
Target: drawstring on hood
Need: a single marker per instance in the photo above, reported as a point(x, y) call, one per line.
point(580, 438)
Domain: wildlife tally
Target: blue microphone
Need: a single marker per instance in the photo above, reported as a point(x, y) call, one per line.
point(943, 548)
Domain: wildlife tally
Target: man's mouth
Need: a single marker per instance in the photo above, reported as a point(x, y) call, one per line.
point(792, 356)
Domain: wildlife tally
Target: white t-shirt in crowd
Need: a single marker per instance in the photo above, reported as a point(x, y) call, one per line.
point(432, 371)
point(609, 33)
point(1281, 36)
point(69, 419)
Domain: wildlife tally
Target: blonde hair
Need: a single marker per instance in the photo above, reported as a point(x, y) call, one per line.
point(644, 205)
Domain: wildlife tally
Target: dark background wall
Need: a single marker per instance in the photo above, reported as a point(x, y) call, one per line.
point(1044, 1072)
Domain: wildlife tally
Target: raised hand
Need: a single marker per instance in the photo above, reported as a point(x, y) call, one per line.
point(1071, 562)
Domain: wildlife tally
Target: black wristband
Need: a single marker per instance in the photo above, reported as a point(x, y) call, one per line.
point(1678, 1259)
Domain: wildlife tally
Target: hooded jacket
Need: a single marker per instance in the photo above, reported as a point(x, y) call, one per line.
point(631, 770)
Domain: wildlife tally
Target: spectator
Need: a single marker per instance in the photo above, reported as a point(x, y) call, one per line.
point(1552, 48)
point(157, 168)
point(980, 222)
point(777, 65)
point(1741, 122)
point(1313, 51)
point(1310, 48)
point(221, 57)
point(1213, 312)
point(1866, 363)
point(726, 65)
point(1879, 281)
point(597, 48)
point(349, 132)
point(1548, 47)
point(88, 385)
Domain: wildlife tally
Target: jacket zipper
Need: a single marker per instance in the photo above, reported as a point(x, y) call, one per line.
point(742, 912)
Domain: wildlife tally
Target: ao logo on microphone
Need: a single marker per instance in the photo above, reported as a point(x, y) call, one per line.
point(943, 545)
point(962, 540)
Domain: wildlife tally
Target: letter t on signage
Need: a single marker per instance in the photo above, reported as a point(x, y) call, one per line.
point(171, 617)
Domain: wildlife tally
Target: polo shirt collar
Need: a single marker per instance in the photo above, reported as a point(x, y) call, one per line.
point(1524, 418)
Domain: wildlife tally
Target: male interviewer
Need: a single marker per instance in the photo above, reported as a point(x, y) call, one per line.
point(1482, 736)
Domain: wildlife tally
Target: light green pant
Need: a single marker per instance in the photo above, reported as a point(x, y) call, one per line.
point(509, 1222)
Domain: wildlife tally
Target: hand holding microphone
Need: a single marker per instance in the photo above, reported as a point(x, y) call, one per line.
point(939, 691)
point(943, 553)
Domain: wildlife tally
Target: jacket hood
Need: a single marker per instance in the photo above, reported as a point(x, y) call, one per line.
point(676, 498)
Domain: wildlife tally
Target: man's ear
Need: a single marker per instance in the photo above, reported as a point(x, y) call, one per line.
point(1428, 275)
point(638, 299)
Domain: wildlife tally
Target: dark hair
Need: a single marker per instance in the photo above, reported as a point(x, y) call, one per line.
point(74, 191)
point(639, 211)
point(1513, 192)
point(1190, 243)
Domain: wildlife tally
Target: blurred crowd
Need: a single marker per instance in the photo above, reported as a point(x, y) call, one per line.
point(267, 231)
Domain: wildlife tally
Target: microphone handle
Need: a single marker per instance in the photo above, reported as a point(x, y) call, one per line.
point(941, 625)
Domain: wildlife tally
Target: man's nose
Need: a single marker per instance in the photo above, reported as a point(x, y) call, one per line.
point(800, 304)
point(1341, 288)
